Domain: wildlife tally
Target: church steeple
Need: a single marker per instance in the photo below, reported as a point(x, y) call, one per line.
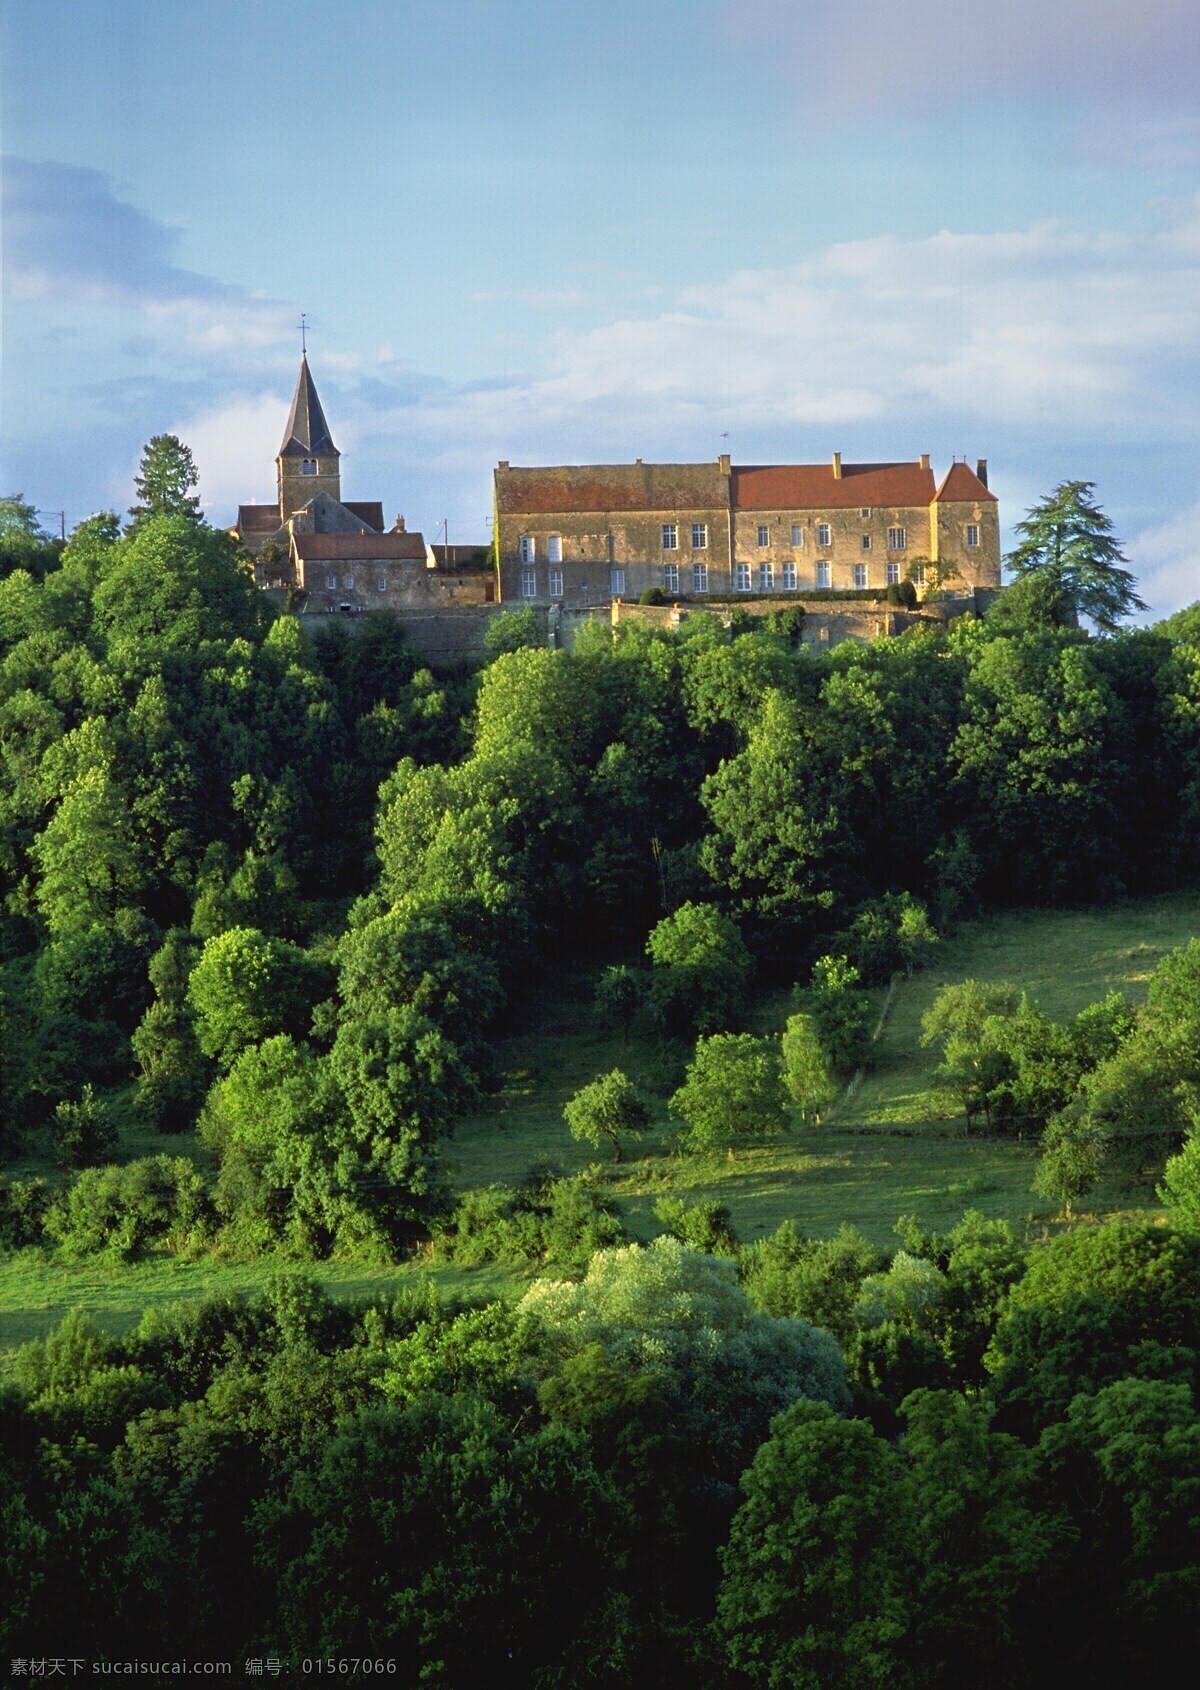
point(308, 460)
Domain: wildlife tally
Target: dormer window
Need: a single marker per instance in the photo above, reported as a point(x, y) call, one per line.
point(308, 466)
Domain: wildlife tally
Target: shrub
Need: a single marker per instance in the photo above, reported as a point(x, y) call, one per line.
point(82, 1133)
point(23, 1206)
point(159, 1199)
point(705, 1226)
point(559, 1222)
point(653, 595)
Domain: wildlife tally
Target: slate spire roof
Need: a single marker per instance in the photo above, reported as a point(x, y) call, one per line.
point(307, 432)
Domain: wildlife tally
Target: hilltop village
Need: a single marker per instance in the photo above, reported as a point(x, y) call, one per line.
point(864, 549)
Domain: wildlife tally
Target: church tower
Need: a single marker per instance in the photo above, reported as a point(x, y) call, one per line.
point(308, 461)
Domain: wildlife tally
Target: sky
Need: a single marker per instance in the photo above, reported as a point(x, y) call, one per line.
point(572, 231)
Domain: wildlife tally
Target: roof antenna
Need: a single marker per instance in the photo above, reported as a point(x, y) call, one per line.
point(303, 334)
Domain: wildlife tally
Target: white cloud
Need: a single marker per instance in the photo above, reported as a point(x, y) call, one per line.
point(1166, 561)
point(234, 447)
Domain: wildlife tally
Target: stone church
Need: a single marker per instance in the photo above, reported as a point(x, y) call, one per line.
point(330, 553)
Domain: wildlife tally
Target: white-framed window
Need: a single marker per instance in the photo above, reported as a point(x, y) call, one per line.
point(865, 542)
point(788, 582)
point(822, 575)
point(529, 583)
point(699, 536)
point(556, 591)
point(864, 510)
point(554, 548)
point(349, 583)
point(670, 537)
point(381, 583)
point(920, 575)
point(616, 583)
point(331, 583)
point(699, 577)
point(528, 548)
point(797, 534)
point(764, 534)
point(897, 539)
point(742, 577)
point(823, 534)
point(860, 574)
point(893, 573)
point(972, 534)
point(308, 466)
point(670, 577)
point(766, 578)
point(823, 635)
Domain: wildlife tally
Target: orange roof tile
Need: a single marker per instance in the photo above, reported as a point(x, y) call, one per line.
point(814, 487)
point(962, 484)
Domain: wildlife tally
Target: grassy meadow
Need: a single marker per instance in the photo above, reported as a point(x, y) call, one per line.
point(895, 1145)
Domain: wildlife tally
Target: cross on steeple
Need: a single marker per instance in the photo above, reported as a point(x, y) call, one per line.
point(303, 333)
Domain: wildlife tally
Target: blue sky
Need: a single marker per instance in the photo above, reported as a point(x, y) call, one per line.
point(581, 232)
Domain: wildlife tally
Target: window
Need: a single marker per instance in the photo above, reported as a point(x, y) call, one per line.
point(920, 575)
point(528, 548)
point(972, 534)
point(331, 583)
point(349, 583)
point(699, 577)
point(822, 575)
point(764, 534)
point(670, 577)
point(670, 537)
point(860, 574)
point(308, 466)
point(381, 583)
point(866, 542)
point(529, 583)
point(766, 578)
point(788, 582)
point(742, 577)
point(864, 510)
point(556, 591)
point(823, 635)
point(699, 536)
point(616, 583)
point(823, 534)
point(554, 548)
point(897, 539)
point(893, 573)
point(797, 534)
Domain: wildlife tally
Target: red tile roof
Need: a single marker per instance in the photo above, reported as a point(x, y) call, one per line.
point(610, 487)
point(766, 487)
point(361, 548)
point(963, 484)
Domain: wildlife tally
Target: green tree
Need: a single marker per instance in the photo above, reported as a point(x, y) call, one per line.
point(839, 1011)
point(82, 1132)
point(618, 997)
point(1069, 540)
point(164, 482)
point(965, 1019)
point(1180, 1188)
point(700, 969)
point(245, 987)
point(818, 1565)
point(806, 1071)
point(608, 1111)
point(511, 630)
point(732, 1092)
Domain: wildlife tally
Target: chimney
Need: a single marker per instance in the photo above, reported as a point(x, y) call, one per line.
point(503, 464)
point(637, 461)
point(723, 464)
point(924, 460)
point(399, 528)
point(837, 466)
point(981, 469)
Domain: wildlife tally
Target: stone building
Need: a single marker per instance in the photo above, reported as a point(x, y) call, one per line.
point(580, 536)
point(331, 554)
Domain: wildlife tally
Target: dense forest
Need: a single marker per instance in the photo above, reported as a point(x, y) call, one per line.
point(286, 893)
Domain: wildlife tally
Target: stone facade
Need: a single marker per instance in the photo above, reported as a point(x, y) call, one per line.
point(588, 534)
